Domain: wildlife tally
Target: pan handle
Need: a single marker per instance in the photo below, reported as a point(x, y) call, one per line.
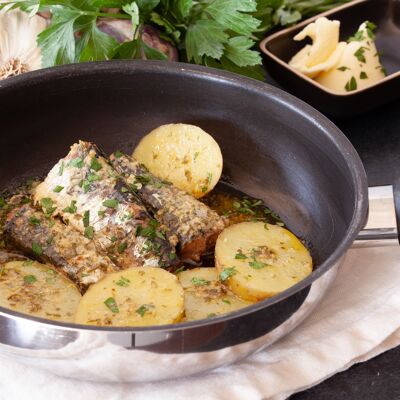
point(386, 233)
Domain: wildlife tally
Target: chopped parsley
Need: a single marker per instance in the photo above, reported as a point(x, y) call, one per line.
point(47, 205)
point(124, 189)
point(180, 269)
point(240, 255)
point(27, 263)
point(247, 206)
point(28, 279)
point(95, 165)
point(37, 249)
point(227, 273)
point(211, 315)
point(172, 256)
point(371, 27)
point(110, 203)
point(351, 84)
point(204, 189)
point(123, 282)
point(89, 232)
point(3, 202)
point(357, 37)
point(86, 218)
point(226, 301)
point(149, 231)
point(343, 68)
point(122, 247)
point(58, 189)
point(144, 308)
point(93, 177)
point(71, 209)
point(61, 169)
point(113, 239)
point(199, 281)
point(359, 54)
point(34, 221)
point(77, 163)
point(118, 154)
point(101, 213)
point(112, 305)
point(257, 264)
point(363, 75)
point(196, 155)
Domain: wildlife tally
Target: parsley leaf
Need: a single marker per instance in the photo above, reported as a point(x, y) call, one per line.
point(112, 305)
point(144, 308)
point(351, 84)
point(199, 281)
point(205, 38)
point(28, 279)
point(238, 51)
point(37, 249)
point(57, 42)
point(227, 273)
point(110, 203)
point(228, 13)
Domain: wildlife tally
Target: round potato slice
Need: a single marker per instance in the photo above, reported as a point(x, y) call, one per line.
point(133, 297)
point(260, 260)
point(206, 296)
point(38, 289)
point(184, 155)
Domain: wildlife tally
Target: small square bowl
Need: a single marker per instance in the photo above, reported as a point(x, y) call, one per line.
point(280, 47)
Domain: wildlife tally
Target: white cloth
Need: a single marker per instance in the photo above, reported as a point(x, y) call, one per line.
point(358, 319)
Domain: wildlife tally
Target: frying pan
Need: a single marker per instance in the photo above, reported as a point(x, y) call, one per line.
point(275, 147)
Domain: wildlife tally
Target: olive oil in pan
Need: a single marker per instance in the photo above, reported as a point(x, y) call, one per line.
point(236, 207)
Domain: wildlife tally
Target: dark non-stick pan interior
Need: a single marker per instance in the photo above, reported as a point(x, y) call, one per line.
point(271, 149)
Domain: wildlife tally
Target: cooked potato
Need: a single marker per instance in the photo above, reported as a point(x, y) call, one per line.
point(37, 289)
point(133, 297)
point(206, 296)
point(184, 155)
point(260, 260)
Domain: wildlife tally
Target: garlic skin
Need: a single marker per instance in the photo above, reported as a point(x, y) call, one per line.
point(325, 51)
point(19, 51)
point(364, 73)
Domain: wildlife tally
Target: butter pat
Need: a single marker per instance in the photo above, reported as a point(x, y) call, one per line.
point(324, 53)
point(342, 67)
point(359, 65)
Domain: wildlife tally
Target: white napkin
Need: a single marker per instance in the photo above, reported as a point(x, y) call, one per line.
point(358, 319)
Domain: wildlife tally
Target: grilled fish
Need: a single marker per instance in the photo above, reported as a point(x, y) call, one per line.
point(195, 224)
point(50, 241)
point(86, 192)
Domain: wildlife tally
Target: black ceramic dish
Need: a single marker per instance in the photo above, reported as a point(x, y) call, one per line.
point(280, 47)
point(275, 147)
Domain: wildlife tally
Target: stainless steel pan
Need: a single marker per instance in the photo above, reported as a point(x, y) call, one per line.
point(275, 147)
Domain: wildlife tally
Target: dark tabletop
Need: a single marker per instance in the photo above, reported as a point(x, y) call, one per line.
point(376, 136)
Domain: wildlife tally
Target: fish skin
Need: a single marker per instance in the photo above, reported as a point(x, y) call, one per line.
point(194, 223)
point(114, 227)
point(62, 246)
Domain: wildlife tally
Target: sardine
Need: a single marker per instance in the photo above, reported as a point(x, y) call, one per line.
point(87, 193)
point(194, 223)
point(50, 241)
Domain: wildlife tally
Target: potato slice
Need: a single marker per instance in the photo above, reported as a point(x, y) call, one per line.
point(133, 297)
point(38, 289)
point(184, 155)
point(206, 296)
point(260, 260)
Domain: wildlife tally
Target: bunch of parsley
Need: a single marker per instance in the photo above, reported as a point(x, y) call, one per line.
point(216, 33)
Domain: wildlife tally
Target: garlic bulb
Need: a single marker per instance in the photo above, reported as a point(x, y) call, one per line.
point(19, 51)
